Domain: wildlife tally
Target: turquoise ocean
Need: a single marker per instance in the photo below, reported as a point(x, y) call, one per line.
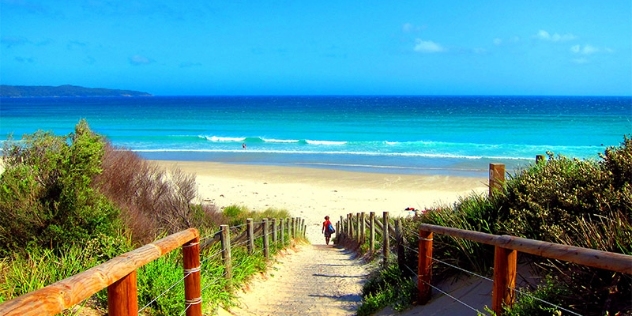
point(453, 135)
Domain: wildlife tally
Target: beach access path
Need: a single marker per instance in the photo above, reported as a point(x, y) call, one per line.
point(315, 279)
point(306, 280)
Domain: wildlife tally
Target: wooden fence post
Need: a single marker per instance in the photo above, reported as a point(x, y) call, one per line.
point(226, 253)
point(505, 261)
point(122, 296)
point(424, 266)
point(359, 232)
point(282, 232)
point(496, 177)
point(274, 231)
point(363, 227)
point(250, 235)
point(341, 232)
point(399, 236)
point(372, 232)
point(350, 221)
point(292, 227)
point(385, 234)
point(192, 289)
point(266, 240)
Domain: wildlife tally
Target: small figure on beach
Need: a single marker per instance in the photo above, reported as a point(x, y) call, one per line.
point(328, 229)
point(414, 210)
point(243, 145)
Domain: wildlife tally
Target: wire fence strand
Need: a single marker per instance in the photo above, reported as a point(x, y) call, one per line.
point(164, 292)
point(453, 297)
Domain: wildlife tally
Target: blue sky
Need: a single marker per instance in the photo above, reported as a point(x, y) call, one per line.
point(341, 47)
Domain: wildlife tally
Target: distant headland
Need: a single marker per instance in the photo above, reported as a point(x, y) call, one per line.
point(65, 91)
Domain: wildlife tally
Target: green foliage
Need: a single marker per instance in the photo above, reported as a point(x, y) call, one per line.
point(531, 303)
point(237, 214)
point(24, 272)
point(584, 203)
point(46, 195)
point(387, 286)
point(156, 277)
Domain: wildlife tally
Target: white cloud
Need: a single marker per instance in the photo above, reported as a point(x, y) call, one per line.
point(428, 47)
point(589, 49)
point(555, 37)
point(408, 27)
point(140, 60)
point(498, 41)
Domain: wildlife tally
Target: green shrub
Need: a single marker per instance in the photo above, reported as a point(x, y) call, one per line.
point(585, 203)
point(46, 195)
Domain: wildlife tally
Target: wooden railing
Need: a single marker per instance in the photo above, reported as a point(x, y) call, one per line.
point(505, 259)
point(118, 275)
point(354, 228)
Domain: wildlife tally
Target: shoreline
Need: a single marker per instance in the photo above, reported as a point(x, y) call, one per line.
point(312, 193)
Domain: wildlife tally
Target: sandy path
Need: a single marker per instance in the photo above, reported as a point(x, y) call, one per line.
point(316, 279)
point(311, 280)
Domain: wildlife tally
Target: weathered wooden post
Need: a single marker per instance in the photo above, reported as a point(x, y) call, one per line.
point(292, 232)
point(250, 234)
point(192, 289)
point(496, 177)
point(505, 261)
point(282, 232)
point(385, 242)
point(341, 232)
point(274, 231)
point(226, 254)
point(359, 232)
point(372, 232)
point(399, 236)
point(266, 240)
point(363, 227)
point(351, 228)
point(424, 266)
point(122, 296)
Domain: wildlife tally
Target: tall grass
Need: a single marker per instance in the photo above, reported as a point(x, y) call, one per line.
point(24, 272)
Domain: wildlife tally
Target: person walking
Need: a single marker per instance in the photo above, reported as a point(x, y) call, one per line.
point(328, 229)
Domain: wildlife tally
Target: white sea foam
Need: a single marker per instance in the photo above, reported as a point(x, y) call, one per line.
point(273, 140)
point(218, 139)
point(325, 142)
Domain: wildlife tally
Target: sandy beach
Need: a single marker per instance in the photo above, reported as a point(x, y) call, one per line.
point(313, 193)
